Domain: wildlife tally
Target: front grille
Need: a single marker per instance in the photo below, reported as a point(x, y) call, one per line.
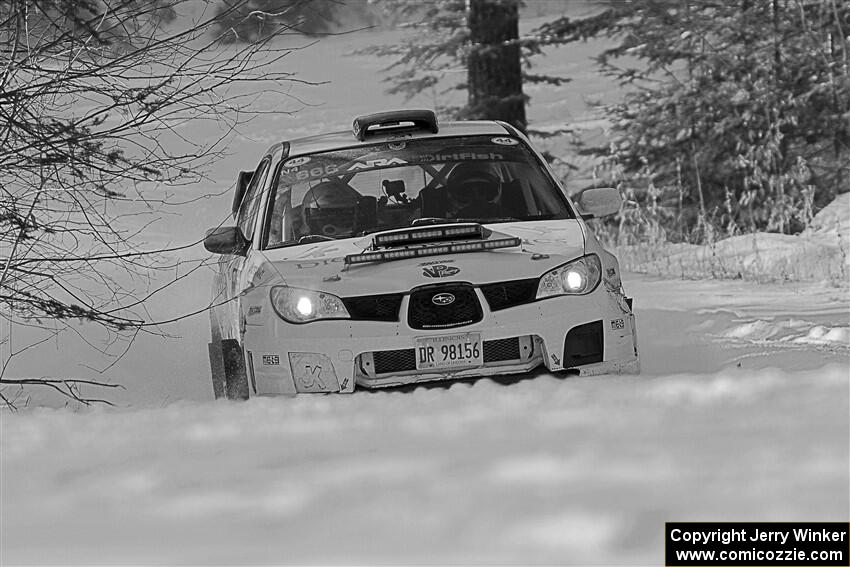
point(387, 361)
point(404, 360)
point(509, 294)
point(502, 349)
point(423, 313)
point(374, 307)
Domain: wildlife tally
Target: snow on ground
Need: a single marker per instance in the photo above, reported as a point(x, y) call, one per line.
point(820, 253)
point(741, 413)
point(733, 418)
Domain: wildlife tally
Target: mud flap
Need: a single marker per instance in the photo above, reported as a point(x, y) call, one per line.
point(217, 369)
point(235, 373)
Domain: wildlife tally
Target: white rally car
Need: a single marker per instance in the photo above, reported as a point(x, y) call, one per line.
point(407, 251)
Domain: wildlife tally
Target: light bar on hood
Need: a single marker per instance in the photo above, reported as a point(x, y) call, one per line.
point(413, 236)
point(420, 251)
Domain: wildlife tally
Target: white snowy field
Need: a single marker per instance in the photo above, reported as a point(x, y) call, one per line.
point(742, 412)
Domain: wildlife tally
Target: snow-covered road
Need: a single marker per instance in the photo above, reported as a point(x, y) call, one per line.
point(741, 413)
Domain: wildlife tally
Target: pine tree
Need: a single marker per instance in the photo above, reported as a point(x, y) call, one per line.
point(478, 40)
point(494, 74)
point(735, 113)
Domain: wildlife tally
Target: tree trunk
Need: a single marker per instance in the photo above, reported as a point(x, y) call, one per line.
point(494, 70)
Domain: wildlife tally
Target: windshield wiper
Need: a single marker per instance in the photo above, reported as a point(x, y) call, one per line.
point(497, 219)
point(479, 220)
point(432, 220)
point(313, 238)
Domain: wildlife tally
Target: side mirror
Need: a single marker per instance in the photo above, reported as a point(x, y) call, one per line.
point(226, 240)
point(598, 202)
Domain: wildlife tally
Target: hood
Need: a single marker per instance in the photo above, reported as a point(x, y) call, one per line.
point(321, 266)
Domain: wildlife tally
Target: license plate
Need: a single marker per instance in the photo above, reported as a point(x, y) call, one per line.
point(441, 352)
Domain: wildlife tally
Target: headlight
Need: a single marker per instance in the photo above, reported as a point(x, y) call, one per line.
point(303, 305)
point(576, 278)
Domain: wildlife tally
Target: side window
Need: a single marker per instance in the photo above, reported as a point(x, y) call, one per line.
point(246, 220)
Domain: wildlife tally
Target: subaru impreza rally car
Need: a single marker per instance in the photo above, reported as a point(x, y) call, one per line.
point(407, 251)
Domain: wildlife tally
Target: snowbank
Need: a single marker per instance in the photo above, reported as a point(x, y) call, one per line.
point(547, 470)
point(833, 220)
point(820, 253)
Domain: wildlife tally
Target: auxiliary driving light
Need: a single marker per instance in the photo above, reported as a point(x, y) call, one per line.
point(432, 250)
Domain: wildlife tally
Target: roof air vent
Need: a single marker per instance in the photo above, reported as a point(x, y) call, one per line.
point(395, 121)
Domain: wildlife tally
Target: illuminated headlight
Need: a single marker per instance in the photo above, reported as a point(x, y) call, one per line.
point(303, 305)
point(576, 278)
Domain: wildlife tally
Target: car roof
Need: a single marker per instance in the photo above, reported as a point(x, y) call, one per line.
point(347, 139)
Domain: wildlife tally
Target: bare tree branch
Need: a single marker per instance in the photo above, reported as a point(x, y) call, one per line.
point(94, 99)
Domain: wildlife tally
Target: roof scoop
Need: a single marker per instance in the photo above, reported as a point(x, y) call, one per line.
point(395, 121)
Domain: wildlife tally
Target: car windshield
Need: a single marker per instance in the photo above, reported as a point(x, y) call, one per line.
point(406, 182)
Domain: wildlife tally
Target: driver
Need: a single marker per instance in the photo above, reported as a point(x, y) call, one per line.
point(473, 190)
point(330, 209)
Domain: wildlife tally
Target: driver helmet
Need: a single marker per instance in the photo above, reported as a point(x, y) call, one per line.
point(471, 185)
point(330, 209)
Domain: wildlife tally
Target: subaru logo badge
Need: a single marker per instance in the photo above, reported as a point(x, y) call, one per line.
point(443, 299)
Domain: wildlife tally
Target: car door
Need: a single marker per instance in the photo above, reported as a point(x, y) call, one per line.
point(232, 267)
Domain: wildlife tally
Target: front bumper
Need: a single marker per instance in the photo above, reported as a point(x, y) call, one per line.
point(593, 334)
